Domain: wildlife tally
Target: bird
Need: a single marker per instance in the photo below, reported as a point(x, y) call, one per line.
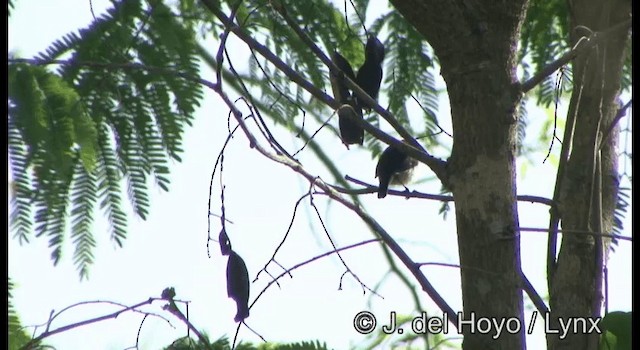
point(238, 285)
point(350, 131)
point(394, 167)
point(340, 89)
point(370, 73)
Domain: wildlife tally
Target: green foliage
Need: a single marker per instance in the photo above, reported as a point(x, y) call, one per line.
point(622, 204)
point(115, 110)
point(521, 124)
point(408, 62)
point(223, 343)
point(616, 327)
point(110, 118)
point(545, 31)
point(326, 26)
point(627, 77)
point(18, 337)
point(305, 345)
point(544, 38)
point(409, 70)
point(188, 343)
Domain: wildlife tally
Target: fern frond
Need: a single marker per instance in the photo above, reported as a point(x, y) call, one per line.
point(620, 212)
point(83, 198)
point(20, 216)
point(108, 181)
point(521, 126)
point(17, 336)
point(112, 122)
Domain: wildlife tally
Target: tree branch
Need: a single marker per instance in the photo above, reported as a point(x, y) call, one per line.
point(582, 46)
point(357, 209)
point(621, 113)
point(168, 294)
point(416, 151)
point(417, 194)
point(48, 333)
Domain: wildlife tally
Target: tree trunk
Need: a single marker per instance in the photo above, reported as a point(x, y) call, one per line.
point(475, 42)
point(597, 76)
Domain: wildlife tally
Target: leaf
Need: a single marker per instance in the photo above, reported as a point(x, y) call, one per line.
point(617, 323)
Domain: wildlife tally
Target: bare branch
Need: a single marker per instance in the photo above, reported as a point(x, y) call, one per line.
point(357, 209)
point(308, 261)
point(273, 257)
point(579, 232)
point(417, 194)
point(213, 173)
point(621, 113)
point(124, 309)
point(533, 294)
point(526, 284)
point(425, 111)
point(168, 295)
point(344, 263)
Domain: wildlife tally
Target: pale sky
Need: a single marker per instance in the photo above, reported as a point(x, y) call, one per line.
point(169, 248)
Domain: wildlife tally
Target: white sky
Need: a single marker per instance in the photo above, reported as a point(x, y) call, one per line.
point(169, 249)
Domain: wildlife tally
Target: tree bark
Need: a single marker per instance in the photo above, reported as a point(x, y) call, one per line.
point(475, 42)
point(597, 76)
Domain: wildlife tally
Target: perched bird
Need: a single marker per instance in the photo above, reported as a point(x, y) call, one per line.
point(370, 74)
point(394, 167)
point(238, 285)
point(340, 89)
point(350, 132)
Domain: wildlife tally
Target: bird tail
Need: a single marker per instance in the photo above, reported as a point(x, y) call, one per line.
point(350, 131)
point(243, 312)
point(382, 189)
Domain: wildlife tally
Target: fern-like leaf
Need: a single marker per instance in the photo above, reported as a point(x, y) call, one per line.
point(77, 132)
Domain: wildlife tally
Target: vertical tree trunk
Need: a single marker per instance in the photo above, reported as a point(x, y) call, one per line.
point(475, 42)
point(596, 78)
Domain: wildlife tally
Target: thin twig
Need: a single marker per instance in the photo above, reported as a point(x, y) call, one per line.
point(213, 174)
point(286, 234)
point(621, 113)
point(344, 263)
point(558, 92)
point(168, 295)
point(308, 261)
point(48, 333)
point(582, 46)
point(370, 221)
point(425, 111)
point(415, 150)
point(554, 214)
point(417, 194)
point(579, 232)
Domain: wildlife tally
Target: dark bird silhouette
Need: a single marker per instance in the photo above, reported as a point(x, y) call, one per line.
point(394, 167)
point(350, 131)
point(225, 243)
point(238, 285)
point(339, 87)
point(370, 74)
